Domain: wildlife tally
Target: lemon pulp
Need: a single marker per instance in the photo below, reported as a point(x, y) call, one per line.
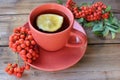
point(49, 22)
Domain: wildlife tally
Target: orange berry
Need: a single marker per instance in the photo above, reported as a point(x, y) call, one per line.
point(14, 65)
point(30, 37)
point(23, 52)
point(22, 36)
point(21, 41)
point(19, 48)
point(27, 67)
point(29, 55)
point(19, 75)
point(23, 45)
point(18, 69)
point(33, 42)
point(30, 50)
point(6, 69)
point(29, 60)
point(10, 72)
point(27, 43)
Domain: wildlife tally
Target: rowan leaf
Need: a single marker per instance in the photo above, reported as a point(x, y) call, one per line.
point(108, 8)
point(113, 35)
point(111, 28)
point(98, 27)
point(105, 32)
point(59, 2)
point(80, 20)
point(89, 24)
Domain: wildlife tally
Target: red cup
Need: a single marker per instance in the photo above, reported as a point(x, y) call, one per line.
point(57, 40)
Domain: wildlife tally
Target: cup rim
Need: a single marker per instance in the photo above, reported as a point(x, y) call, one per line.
point(71, 24)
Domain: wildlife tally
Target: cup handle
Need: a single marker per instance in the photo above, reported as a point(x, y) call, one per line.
point(81, 37)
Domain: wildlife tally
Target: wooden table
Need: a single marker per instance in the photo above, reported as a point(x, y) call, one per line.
point(100, 62)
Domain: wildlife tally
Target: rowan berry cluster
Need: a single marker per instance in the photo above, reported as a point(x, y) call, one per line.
point(16, 70)
point(92, 12)
point(22, 42)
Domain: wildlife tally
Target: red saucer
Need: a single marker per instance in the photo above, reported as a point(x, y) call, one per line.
point(61, 59)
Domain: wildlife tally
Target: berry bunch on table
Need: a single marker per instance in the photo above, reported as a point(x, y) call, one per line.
point(23, 44)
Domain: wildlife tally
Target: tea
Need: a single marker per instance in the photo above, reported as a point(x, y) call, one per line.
point(51, 11)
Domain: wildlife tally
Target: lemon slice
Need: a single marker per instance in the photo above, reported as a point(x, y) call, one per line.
point(49, 22)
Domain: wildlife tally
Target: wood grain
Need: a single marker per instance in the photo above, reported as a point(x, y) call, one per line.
point(9, 22)
point(100, 62)
point(25, 6)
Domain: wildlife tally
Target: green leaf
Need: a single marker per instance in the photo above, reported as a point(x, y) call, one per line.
point(84, 4)
point(89, 24)
point(98, 33)
point(59, 2)
point(118, 30)
point(111, 28)
point(110, 17)
point(105, 32)
point(108, 8)
point(113, 35)
point(111, 14)
point(98, 27)
point(80, 20)
point(106, 20)
point(108, 24)
point(115, 21)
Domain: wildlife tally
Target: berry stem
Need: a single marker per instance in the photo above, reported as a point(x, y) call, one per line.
point(17, 59)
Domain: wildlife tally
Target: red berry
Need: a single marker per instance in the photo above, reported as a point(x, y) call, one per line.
point(14, 45)
point(33, 42)
point(10, 72)
point(21, 41)
point(30, 37)
point(17, 43)
point(15, 69)
point(22, 69)
point(33, 54)
point(18, 69)
point(29, 60)
point(19, 75)
point(29, 55)
point(27, 43)
point(104, 6)
point(30, 50)
point(14, 65)
point(23, 52)
point(27, 67)
point(22, 36)
point(6, 69)
point(15, 73)
point(9, 64)
point(29, 32)
point(24, 57)
point(11, 69)
point(34, 58)
point(19, 48)
point(99, 8)
point(23, 45)
point(23, 29)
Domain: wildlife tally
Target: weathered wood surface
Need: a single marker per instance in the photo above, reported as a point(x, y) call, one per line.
point(9, 22)
point(100, 62)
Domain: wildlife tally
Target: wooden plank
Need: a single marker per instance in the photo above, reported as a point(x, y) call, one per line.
point(100, 62)
point(9, 22)
point(25, 6)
